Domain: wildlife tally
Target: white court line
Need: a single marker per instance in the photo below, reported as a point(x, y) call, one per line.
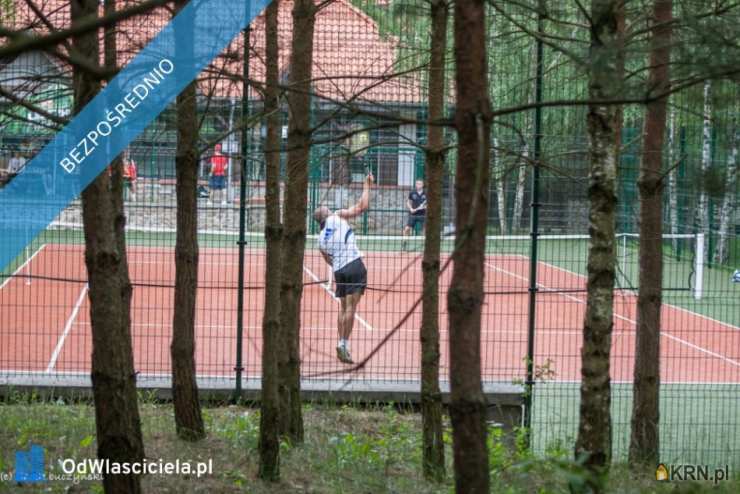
point(619, 316)
point(665, 332)
point(316, 278)
point(687, 311)
point(7, 280)
point(67, 329)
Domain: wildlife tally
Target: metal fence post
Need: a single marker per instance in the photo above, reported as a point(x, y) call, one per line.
point(238, 368)
point(534, 233)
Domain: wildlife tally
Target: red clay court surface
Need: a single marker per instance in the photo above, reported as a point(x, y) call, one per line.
point(44, 324)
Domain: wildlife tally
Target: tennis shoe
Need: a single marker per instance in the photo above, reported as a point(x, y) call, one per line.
point(736, 276)
point(343, 355)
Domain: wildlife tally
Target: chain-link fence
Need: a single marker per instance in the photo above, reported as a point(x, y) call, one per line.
point(369, 114)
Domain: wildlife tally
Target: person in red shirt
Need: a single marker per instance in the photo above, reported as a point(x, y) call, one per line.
point(219, 167)
point(130, 174)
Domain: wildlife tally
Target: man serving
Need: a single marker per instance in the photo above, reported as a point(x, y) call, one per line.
point(338, 246)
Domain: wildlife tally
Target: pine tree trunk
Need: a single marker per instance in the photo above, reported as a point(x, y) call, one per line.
point(269, 442)
point(110, 48)
point(500, 179)
point(431, 397)
point(727, 211)
point(702, 208)
point(188, 418)
point(644, 440)
point(296, 192)
point(594, 428)
point(465, 296)
point(117, 421)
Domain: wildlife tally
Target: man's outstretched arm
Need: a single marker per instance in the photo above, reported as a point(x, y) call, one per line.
point(362, 204)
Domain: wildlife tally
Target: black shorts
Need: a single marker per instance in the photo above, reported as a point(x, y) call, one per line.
point(352, 278)
point(414, 219)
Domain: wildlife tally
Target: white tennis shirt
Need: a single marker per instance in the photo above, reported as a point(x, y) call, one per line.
point(337, 240)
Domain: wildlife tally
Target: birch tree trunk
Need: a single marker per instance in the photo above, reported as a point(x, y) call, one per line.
point(465, 296)
point(294, 239)
point(727, 212)
point(702, 207)
point(431, 397)
point(672, 178)
point(269, 442)
point(593, 442)
point(644, 440)
point(500, 179)
point(188, 417)
point(521, 181)
point(117, 422)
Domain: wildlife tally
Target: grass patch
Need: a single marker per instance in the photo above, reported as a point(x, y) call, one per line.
point(347, 449)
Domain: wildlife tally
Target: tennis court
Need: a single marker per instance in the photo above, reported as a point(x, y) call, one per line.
point(45, 324)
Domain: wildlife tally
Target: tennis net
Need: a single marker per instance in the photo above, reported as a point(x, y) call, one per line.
point(508, 255)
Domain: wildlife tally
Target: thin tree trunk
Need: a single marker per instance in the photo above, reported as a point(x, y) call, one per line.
point(188, 418)
point(620, 55)
point(111, 62)
point(500, 179)
point(294, 240)
point(594, 428)
point(672, 178)
point(521, 181)
point(117, 421)
point(644, 440)
point(722, 253)
point(465, 296)
point(269, 443)
point(431, 397)
point(702, 208)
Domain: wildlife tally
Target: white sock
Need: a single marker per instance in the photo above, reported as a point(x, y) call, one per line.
point(343, 343)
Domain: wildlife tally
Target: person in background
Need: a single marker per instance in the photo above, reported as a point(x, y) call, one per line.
point(16, 164)
point(130, 175)
point(217, 180)
point(417, 207)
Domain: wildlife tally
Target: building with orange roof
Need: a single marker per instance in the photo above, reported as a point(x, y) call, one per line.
point(354, 68)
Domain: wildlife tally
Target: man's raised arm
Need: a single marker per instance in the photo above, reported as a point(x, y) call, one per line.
point(362, 204)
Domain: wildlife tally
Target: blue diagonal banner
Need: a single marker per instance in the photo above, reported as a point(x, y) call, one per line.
point(119, 113)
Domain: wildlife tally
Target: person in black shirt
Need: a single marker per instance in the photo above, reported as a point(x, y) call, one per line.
point(417, 206)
